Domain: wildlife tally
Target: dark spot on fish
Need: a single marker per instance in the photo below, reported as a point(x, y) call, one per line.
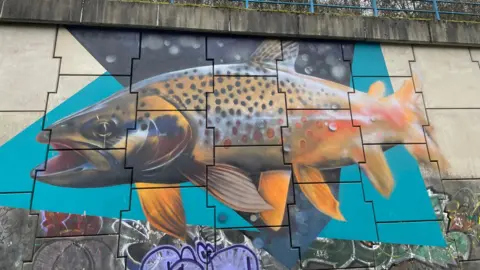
point(261, 96)
point(272, 93)
point(282, 83)
point(193, 86)
point(223, 90)
point(191, 77)
point(252, 88)
point(243, 103)
point(239, 91)
point(290, 100)
point(250, 109)
point(117, 107)
point(231, 95)
point(144, 126)
point(113, 116)
point(289, 91)
point(220, 80)
point(226, 101)
point(197, 107)
point(293, 84)
point(264, 106)
point(216, 93)
point(200, 100)
point(195, 97)
point(280, 110)
point(147, 114)
point(270, 103)
point(230, 87)
point(140, 119)
point(203, 84)
point(208, 107)
point(201, 77)
point(218, 119)
point(237, 84)
point(218, 109)
point(179, 85)
point(255, 103)
point(235, 101)
point(224, 114)
point(218, 101)
point(267, 85)
point(249, 98)
point(260, 83)
point(142, 104)
point(229, 123)
point(229, 73)
point(185, 94)
point(239, 112)
point(170, 91)
point(188, 101)
point(210, 83)
point(231, 111)
point(185, 73)
point(248, 81)
point(195, 70)
point(167, 85)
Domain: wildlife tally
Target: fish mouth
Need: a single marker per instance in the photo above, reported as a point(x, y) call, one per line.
point(67, 161)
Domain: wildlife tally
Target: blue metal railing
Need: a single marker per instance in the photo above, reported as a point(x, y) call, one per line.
point(433, 9)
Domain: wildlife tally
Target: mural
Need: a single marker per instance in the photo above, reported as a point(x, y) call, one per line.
point(207, 152)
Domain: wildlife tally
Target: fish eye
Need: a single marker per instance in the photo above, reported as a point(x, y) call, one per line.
point(104, 128)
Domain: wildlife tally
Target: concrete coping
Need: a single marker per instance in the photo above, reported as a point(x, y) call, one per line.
point(108, 13)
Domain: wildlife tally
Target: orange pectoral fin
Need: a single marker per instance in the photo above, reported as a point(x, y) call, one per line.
point(273, 187)
point(317, 191)
point(163, 208)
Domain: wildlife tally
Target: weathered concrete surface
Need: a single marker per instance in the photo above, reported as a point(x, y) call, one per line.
point(236, 21)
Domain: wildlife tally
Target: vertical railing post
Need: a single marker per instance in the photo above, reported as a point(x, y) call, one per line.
point(246, 3)
point(375, 9)
point(312, 8)
point(435, 8)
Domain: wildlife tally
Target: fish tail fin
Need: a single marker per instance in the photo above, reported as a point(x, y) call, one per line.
point(162, 205)
point(317, 191)
point(234, 188)
point(273, 187)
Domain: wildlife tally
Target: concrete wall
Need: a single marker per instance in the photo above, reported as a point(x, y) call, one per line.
point(235, 21)
point(382, 140)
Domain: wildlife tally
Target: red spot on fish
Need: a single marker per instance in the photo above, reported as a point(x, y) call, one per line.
point(319, 124)
point(304, 119)
point(217, 135)
point(303, 143)
point(298, 125)
point(206, 132)
point(227, 143)
point(280, 121)
point(244, 138)
point(238, 123)
point(257, 135)
point(235, 130)
point(309, 133)
point(270, 133)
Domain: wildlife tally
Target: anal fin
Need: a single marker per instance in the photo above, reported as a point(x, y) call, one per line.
point(377, 170)
point(273, 187)
point(162, 205)
point(314, 187)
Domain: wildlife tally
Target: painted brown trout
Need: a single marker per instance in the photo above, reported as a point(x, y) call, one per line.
point(172, 144)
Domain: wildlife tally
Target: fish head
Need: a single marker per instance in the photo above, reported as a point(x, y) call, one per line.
point(87, 145)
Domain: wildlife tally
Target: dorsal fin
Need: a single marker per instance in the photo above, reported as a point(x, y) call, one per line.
point(270, 51)
point(290, 54)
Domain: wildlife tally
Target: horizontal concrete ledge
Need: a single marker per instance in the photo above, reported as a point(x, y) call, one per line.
point(108, 13)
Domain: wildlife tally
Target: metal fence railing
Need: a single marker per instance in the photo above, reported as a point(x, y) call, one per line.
point(463, 10)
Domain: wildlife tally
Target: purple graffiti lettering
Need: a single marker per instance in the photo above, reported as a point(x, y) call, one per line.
point(238, 257)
